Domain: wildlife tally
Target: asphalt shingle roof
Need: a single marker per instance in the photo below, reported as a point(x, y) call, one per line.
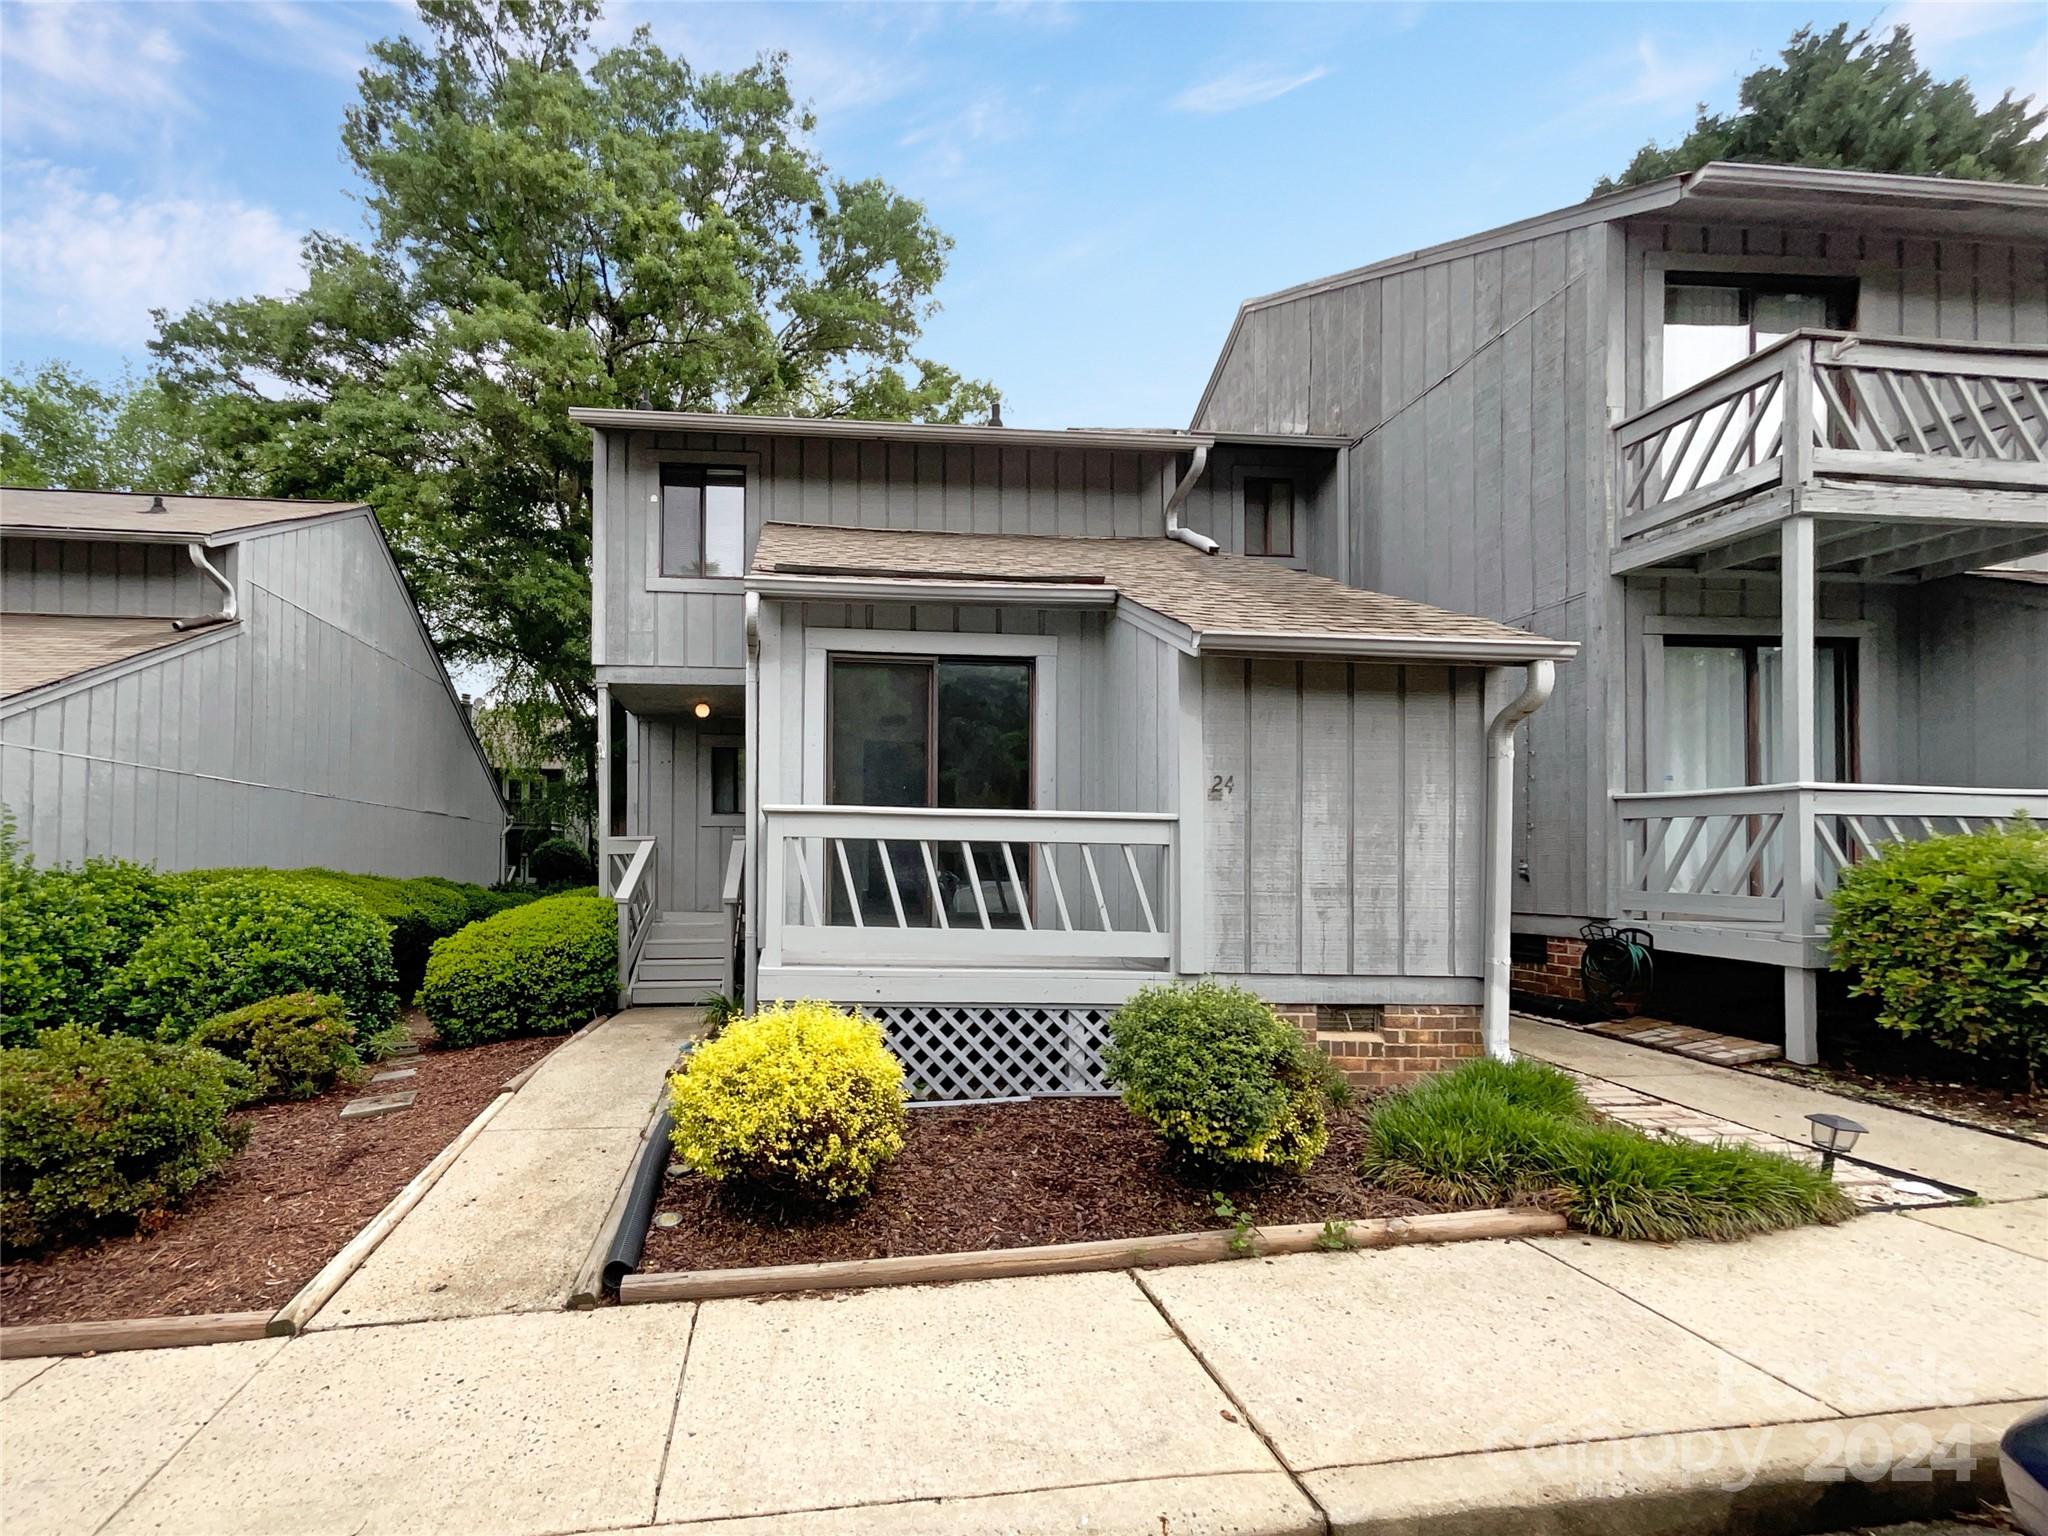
point(117, 513)
point(1218, 594)
point(37, 649)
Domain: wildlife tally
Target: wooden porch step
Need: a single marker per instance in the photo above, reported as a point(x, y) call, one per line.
point(670, 994)
point(706, 972)
point(684, 949)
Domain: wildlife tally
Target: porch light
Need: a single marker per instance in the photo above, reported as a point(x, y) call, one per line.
point(701, 709)
point(1835, 1135)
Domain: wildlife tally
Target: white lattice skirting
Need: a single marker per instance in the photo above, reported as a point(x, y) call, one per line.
point(955, 1051)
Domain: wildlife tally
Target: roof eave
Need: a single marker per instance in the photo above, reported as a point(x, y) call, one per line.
point(1387, 647)
point(915, 589)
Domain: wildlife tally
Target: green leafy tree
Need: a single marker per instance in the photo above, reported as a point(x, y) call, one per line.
point(554, 229)
point(1850, 102)
point(59, 428)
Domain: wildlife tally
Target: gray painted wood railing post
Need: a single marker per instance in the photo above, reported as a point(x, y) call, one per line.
point(1798, 752)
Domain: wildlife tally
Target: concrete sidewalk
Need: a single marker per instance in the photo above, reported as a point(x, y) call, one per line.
point(1995, 1167)
point(1437, 1389)
point(512, 1219)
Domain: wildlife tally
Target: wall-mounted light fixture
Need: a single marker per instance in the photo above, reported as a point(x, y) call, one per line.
point(701, 709)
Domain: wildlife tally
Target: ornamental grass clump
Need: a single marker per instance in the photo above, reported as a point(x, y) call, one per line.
point(1505, 1133)
point(1226, 1081)
point(800, 1103)
point(1950, 936)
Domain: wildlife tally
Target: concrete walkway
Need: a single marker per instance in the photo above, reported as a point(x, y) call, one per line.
point(1995, 1167)
point(511, 1221)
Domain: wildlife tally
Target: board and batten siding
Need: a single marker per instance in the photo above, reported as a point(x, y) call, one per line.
point(670, 800)
point(1344, 818)
point(965, 489)
point(104, 579)
point(317, 731)
point(1983, 706)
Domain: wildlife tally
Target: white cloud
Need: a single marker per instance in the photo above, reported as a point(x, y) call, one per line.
point(1249, 86)
point(90, 265)
point(1946, 39)
point(67, 65)
point(950, 141)
point(1652, 89)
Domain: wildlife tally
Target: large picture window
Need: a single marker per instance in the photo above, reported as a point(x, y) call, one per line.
point(941, 732)
point(703, 520)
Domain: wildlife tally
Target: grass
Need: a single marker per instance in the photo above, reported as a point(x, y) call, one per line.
point(1503, 1133)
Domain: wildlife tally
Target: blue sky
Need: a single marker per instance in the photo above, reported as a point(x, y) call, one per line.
point(1117, 177)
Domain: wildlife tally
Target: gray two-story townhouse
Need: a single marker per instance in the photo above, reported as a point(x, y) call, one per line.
point(1753, 438)
point(982, 728)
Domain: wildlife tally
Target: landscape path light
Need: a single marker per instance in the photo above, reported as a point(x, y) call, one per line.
point(1835, 1135)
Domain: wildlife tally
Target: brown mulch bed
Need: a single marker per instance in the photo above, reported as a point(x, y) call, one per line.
point(2014, 1113)
point(1010, 1176)
point(256, 1232)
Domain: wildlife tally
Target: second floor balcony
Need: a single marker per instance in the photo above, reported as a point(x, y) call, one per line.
point(1927, 458)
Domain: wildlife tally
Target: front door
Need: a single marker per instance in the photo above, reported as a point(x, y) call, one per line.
point(942, 732)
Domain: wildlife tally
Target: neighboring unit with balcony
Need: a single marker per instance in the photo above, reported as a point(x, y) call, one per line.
point(1772, 446)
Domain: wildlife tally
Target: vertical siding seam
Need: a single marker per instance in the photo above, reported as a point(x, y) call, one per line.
point(1350, 817)
point(1301, 812)
point(1401, 842)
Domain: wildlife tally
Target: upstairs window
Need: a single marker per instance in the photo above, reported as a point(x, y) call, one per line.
point(1269, 518)
point(703, 520)
point(1713, 321)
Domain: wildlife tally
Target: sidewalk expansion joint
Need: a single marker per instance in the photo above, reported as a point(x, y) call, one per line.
point(675, 1414)
point(1242, 1410)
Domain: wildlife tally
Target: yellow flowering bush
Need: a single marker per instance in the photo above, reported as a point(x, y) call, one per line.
point(799, 1101)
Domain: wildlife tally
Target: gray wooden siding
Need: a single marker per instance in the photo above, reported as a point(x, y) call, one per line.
point(89, 576)
point(1983, 710)
point(1078, 492)
point(669, 800)
point(319, 731)
point(1346, 834)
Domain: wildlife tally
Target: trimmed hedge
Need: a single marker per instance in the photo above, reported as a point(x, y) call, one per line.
point(236, 939)
point(560, 862)
point(800, 1102)
point(1222, 1077)
point(102, 1131)
point(295, 1046)
point(1950, 936)
point(542, 968)
point(61, 931)
point(1497, 1133)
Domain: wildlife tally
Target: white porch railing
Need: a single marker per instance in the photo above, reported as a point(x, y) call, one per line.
point(864, 887)
point(630, 870)
point(1726, 855)
point(1831, 403)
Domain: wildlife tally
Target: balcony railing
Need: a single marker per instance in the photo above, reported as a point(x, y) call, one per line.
point(1731, 855)
point(866, 887)
point(1830, 403)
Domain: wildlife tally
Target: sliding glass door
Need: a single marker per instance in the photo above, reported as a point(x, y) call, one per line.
point(937, 732)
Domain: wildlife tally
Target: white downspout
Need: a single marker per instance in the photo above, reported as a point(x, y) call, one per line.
point(1500, 845)
point(197, 554)
point(750, 889)
point(1174, 530)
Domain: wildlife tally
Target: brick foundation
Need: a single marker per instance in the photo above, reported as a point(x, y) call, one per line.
point(1392, 1046)
point(1556, 975)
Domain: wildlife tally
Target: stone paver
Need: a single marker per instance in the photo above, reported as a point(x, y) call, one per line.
point(941, 1392)
point(1996, 1167)
point(2021, 1225)
point(1231, 1504)
point(1700, 1044)
point(81, 1437)
point(1383, 1356)
point(1880, 1315)
point(505, 1425)
point(371, 1105)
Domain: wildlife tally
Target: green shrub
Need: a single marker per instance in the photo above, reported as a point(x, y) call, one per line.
point(560, 862)
point(1221, 1076)
point(536, 969)
point(238, 938)
point(1950, 935)
point(61, 931)
point(294, 1046)
point(102, 1131)
point(799, 1102)
point(1493, 1133)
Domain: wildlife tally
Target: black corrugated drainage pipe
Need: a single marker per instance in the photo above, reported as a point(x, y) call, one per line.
point(631, 1238)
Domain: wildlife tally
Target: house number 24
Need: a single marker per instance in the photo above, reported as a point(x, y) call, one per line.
point(1222, 784)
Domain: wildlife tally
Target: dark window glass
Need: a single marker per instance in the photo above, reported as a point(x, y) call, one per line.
point(617, 769)
point(703, 520)
point(1269, 518)
point(727, 772)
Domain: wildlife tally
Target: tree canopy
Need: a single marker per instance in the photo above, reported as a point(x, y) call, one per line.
point(59, 428)
point(554, 227)
point(1848, 101)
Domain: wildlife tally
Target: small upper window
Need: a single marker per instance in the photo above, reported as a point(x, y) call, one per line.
point(703, 520)
point(1269, 518)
